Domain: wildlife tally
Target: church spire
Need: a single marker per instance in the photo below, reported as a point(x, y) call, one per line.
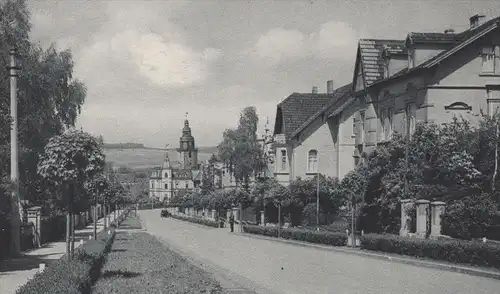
point(166, 161)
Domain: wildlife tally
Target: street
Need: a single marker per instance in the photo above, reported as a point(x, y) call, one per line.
point(286, 268)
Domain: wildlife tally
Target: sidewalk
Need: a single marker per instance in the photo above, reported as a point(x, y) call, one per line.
point(423, 262)
point(16, 272)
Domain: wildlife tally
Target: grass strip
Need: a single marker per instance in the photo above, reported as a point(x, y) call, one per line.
point(139, 263)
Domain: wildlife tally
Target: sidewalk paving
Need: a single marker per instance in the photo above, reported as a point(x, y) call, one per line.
point(423, 262)
point(15, 272)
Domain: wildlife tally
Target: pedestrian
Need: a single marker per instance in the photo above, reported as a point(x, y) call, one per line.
point(231, 222)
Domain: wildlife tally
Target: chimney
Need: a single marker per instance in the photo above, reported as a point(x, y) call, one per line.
point(449, 31)
point(476, 20)
point(329, 87)
point(315, 90)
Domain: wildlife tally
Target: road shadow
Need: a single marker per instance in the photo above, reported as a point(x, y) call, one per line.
point(118, 250)
point(129, 227)
point(25, 263)
point(119, 274)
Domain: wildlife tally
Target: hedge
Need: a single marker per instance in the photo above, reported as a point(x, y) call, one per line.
point(201, 221)
point(319, 237)
point(451, 250)
point(76, 275)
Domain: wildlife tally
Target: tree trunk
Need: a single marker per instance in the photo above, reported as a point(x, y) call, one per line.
point(95, 221)
point(73, 216)
point(104, 213)
point(68, 229)
point(73, 221)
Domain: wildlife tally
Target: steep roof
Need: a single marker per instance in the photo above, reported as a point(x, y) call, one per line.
point(337, 99)
point(434, 38)
point(370, 53)
point(296, 109)
point(456, 42)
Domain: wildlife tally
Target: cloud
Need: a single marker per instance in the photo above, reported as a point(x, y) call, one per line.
point(333, 39)
point(163, 62)
point(166, 63)
point(279, 43)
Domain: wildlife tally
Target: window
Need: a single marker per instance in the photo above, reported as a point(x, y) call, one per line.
point(488, 56)
point(187, 185)
point(166, 186)
point(389, 126)
point(354, 126)
point(382, 124)
point(152, 185)
point(312, 161)
point(189, 154)
point(283, 160)
point(410, 118)
point(362, 128)
point(166, 175)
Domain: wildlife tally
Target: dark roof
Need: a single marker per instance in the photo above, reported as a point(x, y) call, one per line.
point(462, 39)
point(434, 38)
point(296, 109)
point(370, 51)
point(338, 98)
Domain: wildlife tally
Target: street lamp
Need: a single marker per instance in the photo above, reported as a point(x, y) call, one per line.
point(17, 209)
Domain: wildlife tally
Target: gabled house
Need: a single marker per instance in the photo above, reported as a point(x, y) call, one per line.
point(426, 77)
point(311, 135)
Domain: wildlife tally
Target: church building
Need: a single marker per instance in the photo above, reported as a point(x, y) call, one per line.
point(177, 177)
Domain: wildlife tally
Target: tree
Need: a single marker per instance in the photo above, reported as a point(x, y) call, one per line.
point(240, 150)
point(70, 160)
point(95, 188)
point(49, 99)
point(208, 176)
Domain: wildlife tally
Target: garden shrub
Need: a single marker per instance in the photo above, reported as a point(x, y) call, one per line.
point(319, 237)
point(451, 250)
point(472, 217)
point(201, 221)
point(76, 275)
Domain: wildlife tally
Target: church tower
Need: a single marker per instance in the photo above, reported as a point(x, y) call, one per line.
point(188, 154)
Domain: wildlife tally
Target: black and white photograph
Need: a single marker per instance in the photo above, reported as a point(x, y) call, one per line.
point(249, 146)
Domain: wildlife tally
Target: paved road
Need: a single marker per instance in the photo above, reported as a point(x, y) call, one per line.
point(286, 268)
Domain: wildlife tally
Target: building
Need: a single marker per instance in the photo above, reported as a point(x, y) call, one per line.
point(396, 83)
point(177, 177)
point(313, 134)
point(426, 77)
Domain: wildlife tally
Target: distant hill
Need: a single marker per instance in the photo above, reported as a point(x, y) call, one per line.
point(122, 145)
point(143, 159)
point(210, 149)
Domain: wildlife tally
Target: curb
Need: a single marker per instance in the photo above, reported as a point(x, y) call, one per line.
point(492, 274)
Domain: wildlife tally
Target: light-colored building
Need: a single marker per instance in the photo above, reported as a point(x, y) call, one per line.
point(313, 133)
point(396, 83)
point(179, 176)
point(427, 77)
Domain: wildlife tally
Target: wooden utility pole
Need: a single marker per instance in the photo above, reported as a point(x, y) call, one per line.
point(17, 210)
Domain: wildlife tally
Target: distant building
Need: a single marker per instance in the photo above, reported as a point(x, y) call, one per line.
point(179, 176)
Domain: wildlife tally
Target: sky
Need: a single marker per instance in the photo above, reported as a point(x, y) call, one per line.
point(146, 63)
